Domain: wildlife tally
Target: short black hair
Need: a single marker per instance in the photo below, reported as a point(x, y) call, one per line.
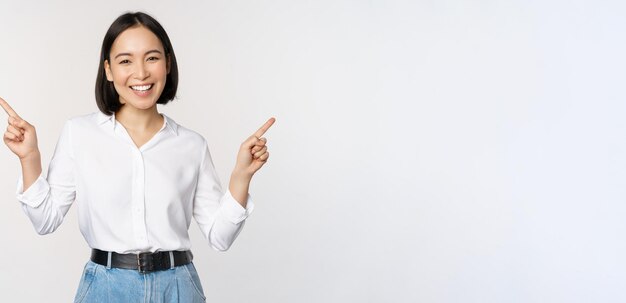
point(106, 95)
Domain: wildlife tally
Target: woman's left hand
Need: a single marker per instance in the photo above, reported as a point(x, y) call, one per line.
point(253, 152)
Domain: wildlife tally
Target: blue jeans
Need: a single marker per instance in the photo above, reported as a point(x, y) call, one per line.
point(102, 284)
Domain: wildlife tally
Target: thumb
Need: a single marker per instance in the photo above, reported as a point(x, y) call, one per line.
point(18, 122)
point(250, 142)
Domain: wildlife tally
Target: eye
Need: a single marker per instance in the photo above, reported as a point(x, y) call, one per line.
point(124, 61)
point(153, 58)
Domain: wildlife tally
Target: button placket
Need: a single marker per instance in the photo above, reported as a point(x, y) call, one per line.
point(138, 194)
point(138, 199)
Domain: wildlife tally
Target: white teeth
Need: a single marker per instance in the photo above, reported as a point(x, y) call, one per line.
point(142, 87)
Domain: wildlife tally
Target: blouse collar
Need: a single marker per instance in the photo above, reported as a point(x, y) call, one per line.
point(103, 119)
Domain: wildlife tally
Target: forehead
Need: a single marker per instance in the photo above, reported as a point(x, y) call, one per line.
point(136, 40)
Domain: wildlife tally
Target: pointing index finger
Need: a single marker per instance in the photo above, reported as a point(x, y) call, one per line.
point(265, 127)
point(7, 108)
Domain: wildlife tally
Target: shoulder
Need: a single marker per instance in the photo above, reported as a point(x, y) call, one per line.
point(81, 121)
point(189, 141)
point(189, 136)
point(93, 118)
point(86, 124)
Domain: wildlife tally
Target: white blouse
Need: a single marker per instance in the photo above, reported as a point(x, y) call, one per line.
point(130, 199)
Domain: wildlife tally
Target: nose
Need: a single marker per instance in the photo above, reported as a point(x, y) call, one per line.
point(141, 72)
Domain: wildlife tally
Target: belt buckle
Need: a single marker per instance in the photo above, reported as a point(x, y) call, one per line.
point(144, 262)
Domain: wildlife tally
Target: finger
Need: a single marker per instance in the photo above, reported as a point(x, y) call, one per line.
point(255, 149)
point(7, 108)
point(261, 142)
point(19, 123)
point(261, 152)
point(14, 131)
point(264, 157)
point(264, 128)
point(10, 136)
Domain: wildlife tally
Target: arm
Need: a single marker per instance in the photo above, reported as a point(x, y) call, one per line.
point(221, 216)
point(21, 139)
point(45, 201)
point(31, 169)
point(239, 186)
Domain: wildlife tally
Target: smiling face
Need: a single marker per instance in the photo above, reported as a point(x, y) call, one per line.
point(138, 67)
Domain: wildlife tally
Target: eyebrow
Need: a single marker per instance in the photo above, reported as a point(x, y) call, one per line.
point(129, 54)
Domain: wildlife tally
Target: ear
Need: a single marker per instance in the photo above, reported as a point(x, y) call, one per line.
point(107, 70)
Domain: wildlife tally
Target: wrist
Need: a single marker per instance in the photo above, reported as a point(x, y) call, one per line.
point(31, 157)
point(240, 175)
point(238, 186)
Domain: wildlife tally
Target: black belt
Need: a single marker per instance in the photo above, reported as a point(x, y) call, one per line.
point(144, 262)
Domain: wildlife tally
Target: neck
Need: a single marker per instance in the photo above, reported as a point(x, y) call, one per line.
point(135, 119)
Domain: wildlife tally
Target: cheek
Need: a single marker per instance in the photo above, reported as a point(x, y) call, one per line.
point(119, 82)
point(160, 71)
point(119, 76)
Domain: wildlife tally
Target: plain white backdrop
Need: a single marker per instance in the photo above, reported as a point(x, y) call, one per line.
point(424, 151)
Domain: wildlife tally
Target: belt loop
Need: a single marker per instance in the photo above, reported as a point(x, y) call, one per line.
point(171, 259)
point(109, 259)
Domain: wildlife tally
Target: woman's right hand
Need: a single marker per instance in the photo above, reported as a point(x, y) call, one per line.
point(20, 137)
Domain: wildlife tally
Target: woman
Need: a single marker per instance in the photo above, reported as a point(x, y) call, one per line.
point(137, 176)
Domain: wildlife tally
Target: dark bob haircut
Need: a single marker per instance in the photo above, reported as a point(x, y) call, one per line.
point(106, 96)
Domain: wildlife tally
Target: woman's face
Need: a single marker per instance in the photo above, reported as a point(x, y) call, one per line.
point(138, 67)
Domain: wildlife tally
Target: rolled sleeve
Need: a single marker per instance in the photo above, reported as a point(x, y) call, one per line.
point(48, 199)
point(220, 217)
point(233, 211)
point(35, 194)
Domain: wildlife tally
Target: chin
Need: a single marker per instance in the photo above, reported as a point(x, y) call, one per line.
point(145, 106)
point(141, 104)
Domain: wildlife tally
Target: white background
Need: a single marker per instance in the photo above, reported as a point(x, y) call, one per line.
point(424, 151)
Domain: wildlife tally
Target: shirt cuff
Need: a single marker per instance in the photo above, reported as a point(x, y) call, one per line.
point(233, 211)
point(35, 194)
